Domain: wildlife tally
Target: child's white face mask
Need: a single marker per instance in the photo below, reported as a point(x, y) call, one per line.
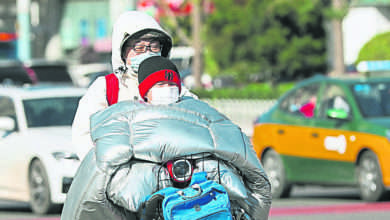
point(164, 95)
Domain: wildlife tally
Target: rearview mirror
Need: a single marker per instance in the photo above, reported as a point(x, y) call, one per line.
point(7, 124)
point(340, 114)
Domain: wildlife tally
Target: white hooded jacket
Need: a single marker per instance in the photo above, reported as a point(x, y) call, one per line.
point(129, 24)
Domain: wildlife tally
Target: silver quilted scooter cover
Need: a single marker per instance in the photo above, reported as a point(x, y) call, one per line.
point(116, 176)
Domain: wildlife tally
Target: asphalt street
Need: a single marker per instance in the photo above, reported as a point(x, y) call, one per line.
point(318, 203)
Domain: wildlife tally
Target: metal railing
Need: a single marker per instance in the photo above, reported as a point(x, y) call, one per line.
point(242, 112)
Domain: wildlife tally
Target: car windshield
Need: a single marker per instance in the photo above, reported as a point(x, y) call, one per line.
point(45, 73)
point(58, 111)
point(373, 98)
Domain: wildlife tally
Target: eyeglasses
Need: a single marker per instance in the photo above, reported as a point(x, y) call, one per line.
point(154, 46)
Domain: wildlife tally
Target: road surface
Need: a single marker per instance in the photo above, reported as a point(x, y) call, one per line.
point(319, 203)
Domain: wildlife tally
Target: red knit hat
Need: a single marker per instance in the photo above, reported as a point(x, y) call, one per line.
point(156, 69)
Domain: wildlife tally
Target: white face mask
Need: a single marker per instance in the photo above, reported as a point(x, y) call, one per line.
point(137, 60)
point(164, 95)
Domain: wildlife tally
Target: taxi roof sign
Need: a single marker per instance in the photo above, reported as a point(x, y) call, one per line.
point(373, 66)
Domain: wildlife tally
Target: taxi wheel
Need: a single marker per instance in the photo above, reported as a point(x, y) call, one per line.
point(274, 168)
point(40, 200)
point(370, 177)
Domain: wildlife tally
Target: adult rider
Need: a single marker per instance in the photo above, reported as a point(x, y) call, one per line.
point(136, 36)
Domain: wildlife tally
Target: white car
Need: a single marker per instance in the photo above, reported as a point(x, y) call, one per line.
point(37, 159)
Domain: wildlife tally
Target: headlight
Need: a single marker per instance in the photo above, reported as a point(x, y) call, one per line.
point(180, 170)
point(65, 155)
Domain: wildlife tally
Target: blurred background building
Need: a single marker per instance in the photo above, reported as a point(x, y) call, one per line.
point(60, 28)
point(81, 29)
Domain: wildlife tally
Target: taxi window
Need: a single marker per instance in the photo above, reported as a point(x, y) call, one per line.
point(372, 98)
point(333, 98)
point(301, 102)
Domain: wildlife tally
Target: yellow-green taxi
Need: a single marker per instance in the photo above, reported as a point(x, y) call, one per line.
point(328, 131)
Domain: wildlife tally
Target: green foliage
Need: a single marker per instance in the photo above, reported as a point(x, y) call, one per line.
point(210, 64)
point(250, 91)
point(279, 39)
point(337, 14)
point(378, 48)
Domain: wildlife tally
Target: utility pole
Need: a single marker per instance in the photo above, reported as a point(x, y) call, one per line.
point(337, 26)
point(23, 30)
point(197, 43)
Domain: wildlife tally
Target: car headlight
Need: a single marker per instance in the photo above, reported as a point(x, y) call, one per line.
point(65, 155)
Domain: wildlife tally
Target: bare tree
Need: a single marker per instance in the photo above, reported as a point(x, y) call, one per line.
point(196, 41)
point(338, 56)
point(172, 18)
